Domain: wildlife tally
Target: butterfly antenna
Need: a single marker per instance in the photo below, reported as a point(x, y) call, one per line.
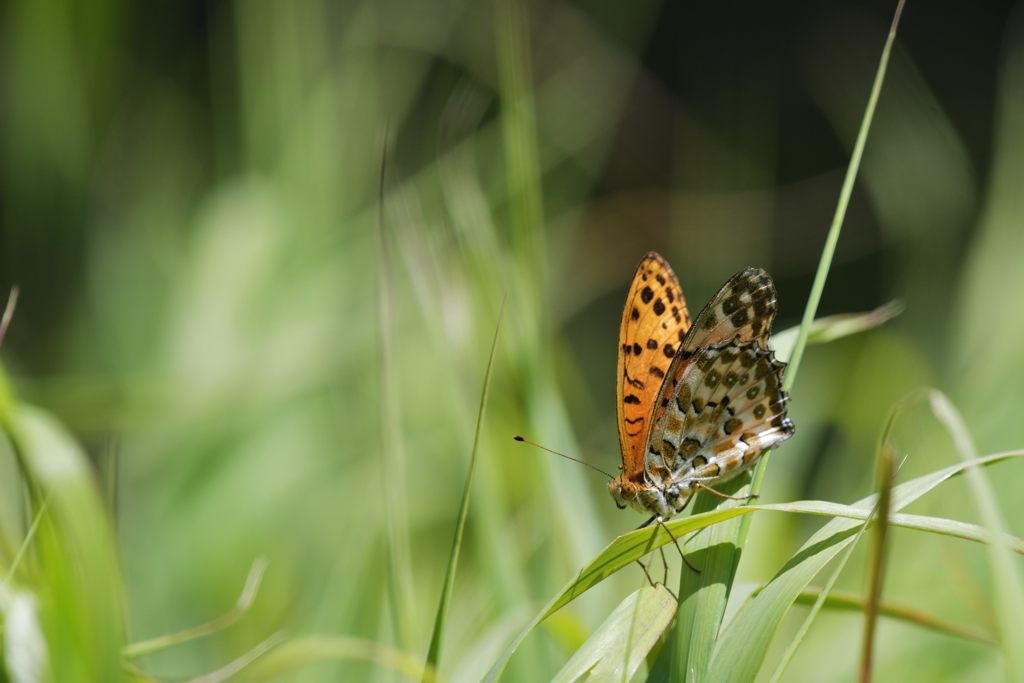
point(563, 455)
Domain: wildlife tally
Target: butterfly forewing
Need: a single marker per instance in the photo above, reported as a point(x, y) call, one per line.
point(654, 323)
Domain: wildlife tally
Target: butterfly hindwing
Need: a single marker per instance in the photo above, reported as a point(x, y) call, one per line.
point(654, 324)
point(742, 309)
point(728, 408)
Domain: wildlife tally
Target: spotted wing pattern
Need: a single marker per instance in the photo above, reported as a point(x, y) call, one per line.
point(729, 407)
point(654, 324)
point(742, 309)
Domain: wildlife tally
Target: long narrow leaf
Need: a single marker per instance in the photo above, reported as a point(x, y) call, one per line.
point(627, 548)
point(749, 634)
point(881, 510)
point(237, 611)
point(618, 647)
point(705, 595)
point(845, 601)
point(293, 655)
point(1006, 576)
point(434, 652)
point(821, 274)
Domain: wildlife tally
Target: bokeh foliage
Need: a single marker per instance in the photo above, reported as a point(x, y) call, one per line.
point(267, 347)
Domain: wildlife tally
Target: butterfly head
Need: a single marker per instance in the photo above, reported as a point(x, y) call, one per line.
point(623, 491)
point(649, 499)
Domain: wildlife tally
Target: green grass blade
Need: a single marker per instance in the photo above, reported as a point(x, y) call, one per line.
point(713, 617)
point(825, 263)
point(936, 525)
point(241, 606)
point(886, 475)
point(851, 602)
point(705, 595)
point(833, 327)
point(618, 647)
point(1006, 577)
point(77, 581)
point(845, 192)
point(634, 545)
point(287, 658)
point(434, 652)
point(239, 664)
point(747, 637)
point(883, 463)
point(819, 603)
point(8, 314)
point(23, 548)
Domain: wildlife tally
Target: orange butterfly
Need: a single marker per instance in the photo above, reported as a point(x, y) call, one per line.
point(697, 403)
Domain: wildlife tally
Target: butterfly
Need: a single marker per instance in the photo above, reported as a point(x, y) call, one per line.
point(698, 402)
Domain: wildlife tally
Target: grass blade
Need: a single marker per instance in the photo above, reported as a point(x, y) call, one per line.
point(5, 319)
point(851, 602)
point(833, 327)
point(233, 668)
point(705, 595)
point(241, 606)
point(434, 652)
point(844, 201)
point(883, 463)
point(618, 647)
point(886, 474)
point(76, 578)
point(793, 578)
point(1006, 577)
point(747, 637)
point(288, 657)
point(23, 548)
point(712, 618)
point(827, 252)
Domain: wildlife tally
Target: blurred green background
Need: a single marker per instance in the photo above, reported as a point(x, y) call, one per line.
point(269, 345)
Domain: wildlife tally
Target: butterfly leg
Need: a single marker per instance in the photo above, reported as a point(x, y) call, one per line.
point(647, 574)
point(661, 523)
point(707, 488)
point(664, 565)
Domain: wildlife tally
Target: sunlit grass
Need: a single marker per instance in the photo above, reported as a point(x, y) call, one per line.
point(204, 292)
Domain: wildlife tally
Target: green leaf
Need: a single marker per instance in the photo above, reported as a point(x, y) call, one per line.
point(830, 328)
point(77, 580)
point(628, 548)
point(705, 595)
point(434, 652)
point(1006, 576)
point(748, 635)
point(825, 262)
point(850, 602)
point(241, 606)
point(294, 654)
point(618, 647)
